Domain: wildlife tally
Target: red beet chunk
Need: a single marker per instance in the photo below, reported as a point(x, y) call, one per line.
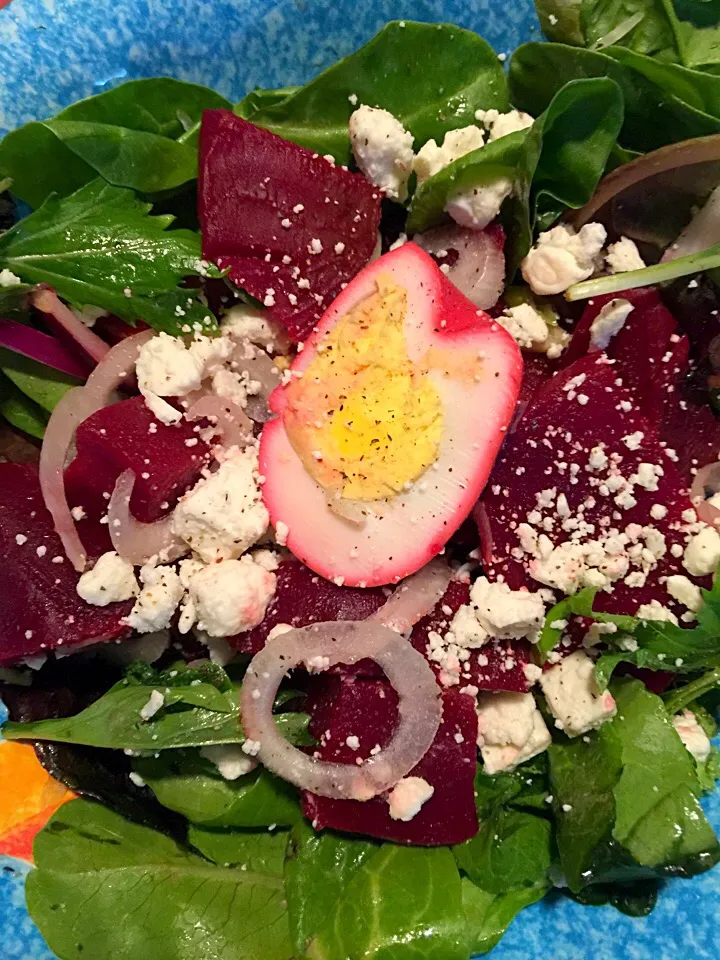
point(40, 608)
point(558, 431)
point(692, 431)
point(498, 665)
point(265, 204)
point(367, 709)
point(302, 598)
point(119, 438)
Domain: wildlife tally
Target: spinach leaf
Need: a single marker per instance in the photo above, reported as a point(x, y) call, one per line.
point(133, 136)
point(426, 102)
point(560, 21)
point(182, 780)
point(100, 246)
point(654, 114)
point(191, 716)
point(640, 25)
point(682, 697)
point(580, 605)
point(261, 852)
point(23, 414)
point(109, 889)
point(554, 165)
point(625, 798)
point(396, 899)
point(488, 915)
point(318, 868)
point(42, 385)
point(637, 899)
point(258, 99)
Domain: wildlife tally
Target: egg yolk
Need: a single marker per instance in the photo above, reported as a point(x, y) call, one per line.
point(365, 420)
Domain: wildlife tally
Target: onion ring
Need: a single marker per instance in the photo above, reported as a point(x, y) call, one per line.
point(707, 478)
point(482, 521)
point(414, 597)
point(134, 541)
point(230, 419)
point(419, 707)
point(77, 405)
point(62, 318)
point(478, 269)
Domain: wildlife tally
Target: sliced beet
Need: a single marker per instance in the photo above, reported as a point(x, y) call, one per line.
point(558, 431)
point(498, 665)
point(266, 204)
point(40, 608)
point(302, 597)
point(126, 436)
point(367, 709)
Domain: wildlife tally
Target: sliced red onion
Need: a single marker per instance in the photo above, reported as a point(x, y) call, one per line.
point(702, 232)
point(419, 707)
point(31, 343)
point(134, 541)
point(487, 544)
point(231, 420)
point(60, 317)
point(77, 405)
point(707, 479)
point(475, 262)
point(415, 597)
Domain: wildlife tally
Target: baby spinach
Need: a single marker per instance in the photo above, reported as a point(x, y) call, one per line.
point(100, 246)
point(397, 898)
point(488, 915)
point(261, 852)
point(654, 115)
point(682, 697)
point(391, 71)
point(580, 605)
point(23, 414)
point(640, 25)
point(554, 165)
point(626, 798)
point(258, 99)
point(110, 889)
point(182, 780)
point(132, 136)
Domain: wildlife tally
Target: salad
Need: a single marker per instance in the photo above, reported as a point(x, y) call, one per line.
point(359, 518)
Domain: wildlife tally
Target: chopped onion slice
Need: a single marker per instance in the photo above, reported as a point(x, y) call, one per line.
point(62, 318)
point(31, 343)
point(477, 270)
point(419, 707)
point(415, 597)
point(487, 544)
point(706, 479)
point(258, 366)
point(77, 405)
point(137, 542)
point(231, 420)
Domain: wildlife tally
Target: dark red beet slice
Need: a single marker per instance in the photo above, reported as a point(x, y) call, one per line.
point(119, 438)
point(497, 665)
point(367, 709)
point(558, 431)
point(40, 607)
point(265, 204)
point(302, 598)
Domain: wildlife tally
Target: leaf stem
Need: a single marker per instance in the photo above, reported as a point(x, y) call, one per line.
point(677, 700)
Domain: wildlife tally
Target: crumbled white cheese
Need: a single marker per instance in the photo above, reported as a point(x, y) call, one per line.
point(154, 704)
point(505, 613)
point(656, 611)
point(466, 630)
point(231, 596)
point(243, 322)
point(111, 580)
point(510, 730)
point(408, 796)
point(230, 759)
point(525, 324)
point(166, 368)
point(692, 735)
point(608, 322)
point(431, 158)
point(234, 386)
point(623, 256)
point(157, 601)
point(8, 279)
point(223, 514)
point(502, 124)
point(383, 149)
point(562, 257)
point(162, 410)
point(702, 554)
point(281, 533)
point(684, 591)
point(573, 696)
point(279, 629)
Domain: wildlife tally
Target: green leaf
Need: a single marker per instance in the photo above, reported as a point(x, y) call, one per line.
point(134, 135)
point(625, 798)
point(554, 165)
point(318, 868)
point(398, 898)
point(23, 414)
point(261, 852)
point(100, 246)
point(192, 716)
point(43, 385)
point(654, 115)
point(640, 25)
point(184, 781)
point(580, 605)
point(511, 850)
point(560, 21)
point(488, 915)
point(682, 697)
point(258, 99)
point(113, 890)
point(428, 102)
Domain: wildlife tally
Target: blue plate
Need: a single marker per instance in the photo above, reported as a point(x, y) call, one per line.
point(53, 53)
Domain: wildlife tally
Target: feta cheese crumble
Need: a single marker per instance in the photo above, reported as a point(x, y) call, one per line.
point(562, 257)
point(408, 796)
point(623, 256)
point(111, 580)
point(510, 730)
point(573, 696)
point(231, 596)
point(154, 704)
point(609, 322)
point(692, 735)
point(229, 759)
point(383, 149)
point(157, 601)
point(702, 554)
point(524, 324)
